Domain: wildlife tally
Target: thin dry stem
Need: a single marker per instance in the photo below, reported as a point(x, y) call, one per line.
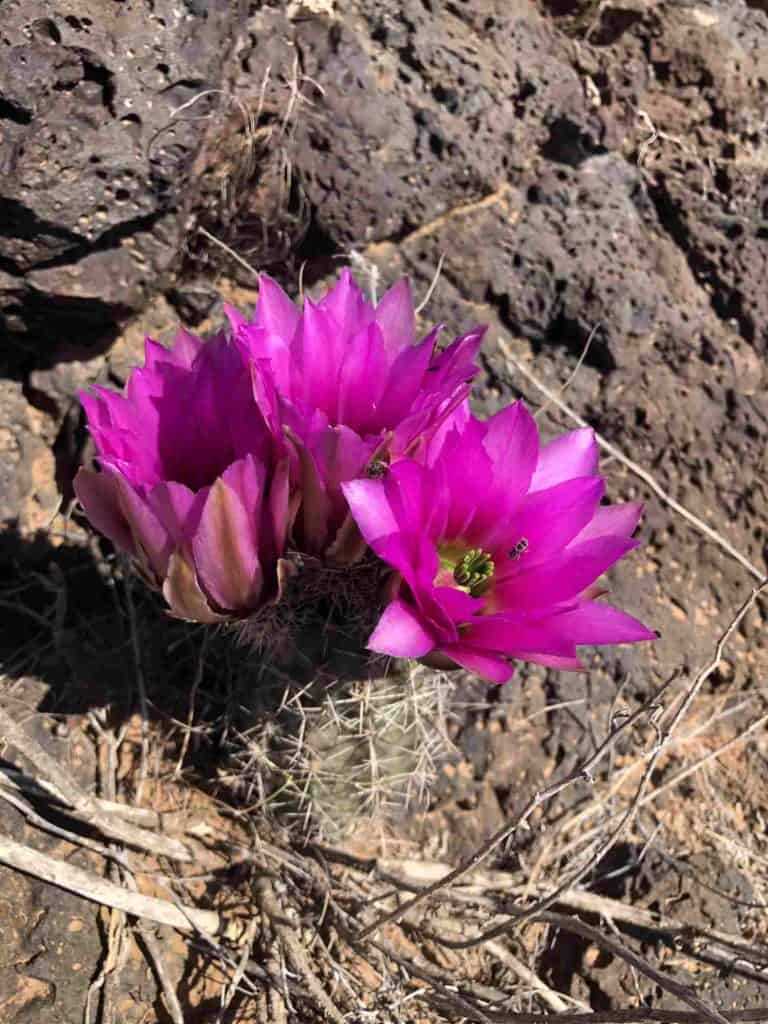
point(82, 805)
point(491, 844)
point(92, 887)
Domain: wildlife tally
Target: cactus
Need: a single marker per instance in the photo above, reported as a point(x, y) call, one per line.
point(336, 752)
point(330, 735)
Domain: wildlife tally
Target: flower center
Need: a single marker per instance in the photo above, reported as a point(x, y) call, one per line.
point(470, 571)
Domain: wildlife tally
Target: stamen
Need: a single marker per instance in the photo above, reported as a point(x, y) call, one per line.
point(474, 569)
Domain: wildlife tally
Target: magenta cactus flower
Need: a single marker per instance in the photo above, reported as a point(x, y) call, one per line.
point(189, 486)
point(345, 383)
point(497, 545)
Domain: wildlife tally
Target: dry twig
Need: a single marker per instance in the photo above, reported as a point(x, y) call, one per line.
point(583, 771)
point(587, 931)
point(297, 955)
point(551, 998)
point(82, 805)
point(41, 789)
point(641, 1015)
point(92, 887)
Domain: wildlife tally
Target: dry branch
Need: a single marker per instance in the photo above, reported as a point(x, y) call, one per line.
point(41, 789)
point(675, 780)
point(487, 881)
point(664, 736)
point(575, 926)
point(551, 998)
point(583, 771)
point(638, 1016)
point(83, 806)
point(92, 887)
point(296, 954)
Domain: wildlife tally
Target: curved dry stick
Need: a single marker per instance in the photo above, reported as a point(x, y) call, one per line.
point(581, 772)
point(642, 1015)
point(576, 926)
point(92, 887)
point(41, 789)
point(84, 806)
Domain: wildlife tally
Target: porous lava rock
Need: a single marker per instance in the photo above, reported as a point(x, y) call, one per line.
point(102, 117)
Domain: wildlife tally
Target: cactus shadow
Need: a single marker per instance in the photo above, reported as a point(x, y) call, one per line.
point(95, 637)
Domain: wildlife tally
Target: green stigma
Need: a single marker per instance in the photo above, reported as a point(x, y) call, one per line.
point(473, 570)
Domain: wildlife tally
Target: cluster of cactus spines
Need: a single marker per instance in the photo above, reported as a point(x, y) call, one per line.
point(329, 734)
point(348, 599)
point(337, 752)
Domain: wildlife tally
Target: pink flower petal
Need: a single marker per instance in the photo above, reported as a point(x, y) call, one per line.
point(151, 540)
point(401, 553)
point(362, 378)
point(457, 422)
point(612, 521)
point(512, 444)
point(236, 320)
point(456, 363)
point(548, 520)
point(183, 594)
point(316, 505)
point(489, 666)
point(280, 514)
point(347, 306)
point(563, 576)
point(574, 664)
point(592, 622)
point(495, 633)
point(184, 349)
point(370, 507)
point(400, 633)
point(342, 454)
point(573, 454)
point(316, 358)
point(409, 494)
point(98, 494)
point(270, 353)
point(405, 380)
point(274, 310)
point(177, 508)
point(467, 477)
point(225, 546)
point(458, 605)
point(395, 317)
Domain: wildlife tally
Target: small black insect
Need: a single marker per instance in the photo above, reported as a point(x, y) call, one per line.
point(519, 549)
point(376, 468)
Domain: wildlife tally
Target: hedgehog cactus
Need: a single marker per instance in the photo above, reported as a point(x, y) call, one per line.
point(318, 478)
point(324, 758)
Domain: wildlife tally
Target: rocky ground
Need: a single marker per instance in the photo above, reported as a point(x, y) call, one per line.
point(575, 168)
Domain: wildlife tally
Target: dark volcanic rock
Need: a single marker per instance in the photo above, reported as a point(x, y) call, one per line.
point(95, 182)
point(573, 165)
point(28, 494)
point(417, 107)
point(713, 189)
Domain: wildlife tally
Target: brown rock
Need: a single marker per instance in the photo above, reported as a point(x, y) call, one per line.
point(95, 188)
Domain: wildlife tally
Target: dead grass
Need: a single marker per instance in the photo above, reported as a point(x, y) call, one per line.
point(251, 209)
point(313, 945)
